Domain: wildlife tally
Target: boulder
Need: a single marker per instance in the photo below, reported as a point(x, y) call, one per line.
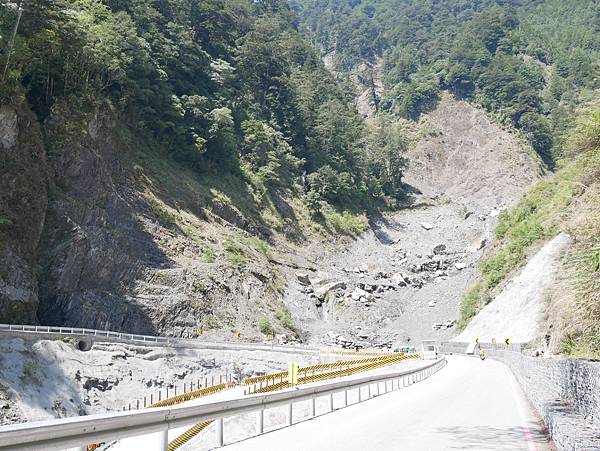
point(400, 279)
point(427, 225)
point(477, 245)
point(460, 265)
point(303, 278)
point(439, 249)
point(322, 291)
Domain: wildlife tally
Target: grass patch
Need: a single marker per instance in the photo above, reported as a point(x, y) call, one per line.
point(209, 254)
point(285, 318)
point(260, 245)
point(345, 223)
point(265, 327)
point(5, 221)
point(235, 252)
point(475, 299)
point(166, 218)
point(199, 286)
point(581, 346)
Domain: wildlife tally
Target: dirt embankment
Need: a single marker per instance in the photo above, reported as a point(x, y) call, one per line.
point(403, 280)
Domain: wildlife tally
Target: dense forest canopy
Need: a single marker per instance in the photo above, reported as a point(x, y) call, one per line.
point(227, 86)
point(530, 62)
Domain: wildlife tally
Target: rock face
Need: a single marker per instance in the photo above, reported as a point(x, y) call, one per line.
point(23, 202)
point(83, 244)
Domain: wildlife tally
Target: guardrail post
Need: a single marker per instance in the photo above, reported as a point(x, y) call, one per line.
point(345, 398)
point(313, 410)
point(369, 391)
point(219, 432)
point(289, 414)
point(331, 402)
point(163, 443)
point(360, 394)
point(260, 421)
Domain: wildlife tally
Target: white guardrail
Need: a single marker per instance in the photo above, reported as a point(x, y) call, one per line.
point(81, 431)
point(148, 339)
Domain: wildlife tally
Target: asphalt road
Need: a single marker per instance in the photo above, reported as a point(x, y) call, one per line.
point(469, 405)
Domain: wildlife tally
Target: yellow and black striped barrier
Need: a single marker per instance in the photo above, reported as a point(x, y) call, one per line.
point(264, 378)
point(190, 395)
point(359, 366)
point(188, 435)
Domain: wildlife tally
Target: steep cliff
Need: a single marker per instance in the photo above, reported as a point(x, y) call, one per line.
point(23, 206)
point(105, 232)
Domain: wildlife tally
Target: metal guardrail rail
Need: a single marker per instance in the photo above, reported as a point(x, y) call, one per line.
point(149, 339)
point(80, 431)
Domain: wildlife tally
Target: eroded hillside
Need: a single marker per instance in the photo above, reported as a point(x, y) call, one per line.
point(410, 271)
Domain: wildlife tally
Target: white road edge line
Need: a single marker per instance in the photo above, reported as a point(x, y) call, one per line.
point(518, 400)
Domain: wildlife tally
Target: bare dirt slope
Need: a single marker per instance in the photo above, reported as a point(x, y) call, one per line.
point(412, 268)
point(468, 159)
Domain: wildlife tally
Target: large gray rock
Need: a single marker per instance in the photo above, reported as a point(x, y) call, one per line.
point(303, 278)
point(323, 290)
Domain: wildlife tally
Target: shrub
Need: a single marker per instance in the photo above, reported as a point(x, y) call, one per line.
point(208, 253)
point(265, 327)
point(285, 318)
point(346, 223)
point(235, 252)
point(260, 245)
point(164, 216)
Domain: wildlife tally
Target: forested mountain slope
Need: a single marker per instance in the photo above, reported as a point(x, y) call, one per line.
point(529, 62)
point(161, 159)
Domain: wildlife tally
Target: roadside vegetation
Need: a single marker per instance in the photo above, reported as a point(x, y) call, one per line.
point(569, 200)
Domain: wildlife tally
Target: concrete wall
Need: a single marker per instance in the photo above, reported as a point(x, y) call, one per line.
point(566, 393)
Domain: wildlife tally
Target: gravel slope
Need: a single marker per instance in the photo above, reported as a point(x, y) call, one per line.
point(466, 170)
